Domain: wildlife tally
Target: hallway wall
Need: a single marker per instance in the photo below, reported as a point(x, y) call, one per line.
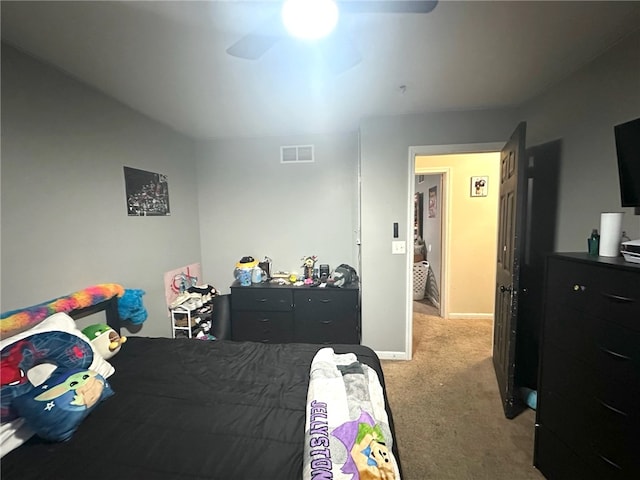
point(473, 232)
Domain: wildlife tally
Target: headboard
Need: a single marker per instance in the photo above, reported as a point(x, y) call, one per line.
point(110, 308)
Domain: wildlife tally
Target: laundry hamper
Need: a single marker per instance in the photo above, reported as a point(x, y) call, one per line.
point(420, 272)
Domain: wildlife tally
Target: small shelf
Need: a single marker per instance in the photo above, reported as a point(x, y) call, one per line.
point(187, 322)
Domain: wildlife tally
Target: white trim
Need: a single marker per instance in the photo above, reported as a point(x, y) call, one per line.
point(446, 234)
point(392, 356)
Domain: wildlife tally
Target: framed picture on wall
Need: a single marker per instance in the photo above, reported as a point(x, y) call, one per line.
point(147, 193)
point(433, 202)
point(479, 186)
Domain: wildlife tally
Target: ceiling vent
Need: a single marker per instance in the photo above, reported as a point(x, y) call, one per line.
point(296, 154)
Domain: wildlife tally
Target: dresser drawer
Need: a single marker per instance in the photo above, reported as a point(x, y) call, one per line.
point(329, 300)
point(557, 461)
point(619, 297)
point(265, 327)
point(261, 299)
point(612, 349)
point(326, 331)
point(609, 446)
point(326, 316)
point(590, 411)
point(572, 284)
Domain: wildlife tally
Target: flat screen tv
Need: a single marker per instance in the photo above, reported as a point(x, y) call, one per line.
point(628, 150)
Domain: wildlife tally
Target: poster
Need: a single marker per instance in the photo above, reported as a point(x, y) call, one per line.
point(147, 193)
point(178, 280)
point(433, 202)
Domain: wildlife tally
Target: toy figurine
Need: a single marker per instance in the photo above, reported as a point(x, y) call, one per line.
point(307, 264)
point(104, 339)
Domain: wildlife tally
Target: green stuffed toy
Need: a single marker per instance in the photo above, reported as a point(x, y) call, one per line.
point(104, 339)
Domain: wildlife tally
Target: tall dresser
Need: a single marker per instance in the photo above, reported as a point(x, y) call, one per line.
point(588, 412)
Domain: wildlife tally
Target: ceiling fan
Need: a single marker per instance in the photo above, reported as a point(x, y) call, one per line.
point(338, 48)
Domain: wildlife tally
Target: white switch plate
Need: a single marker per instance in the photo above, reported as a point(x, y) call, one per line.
point(398, 247)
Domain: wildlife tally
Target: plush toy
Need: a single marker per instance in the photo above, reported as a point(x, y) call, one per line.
point(104, 339)
point(130, 306)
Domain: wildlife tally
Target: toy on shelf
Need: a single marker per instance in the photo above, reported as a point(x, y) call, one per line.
point(308, 263)
point(104, 339)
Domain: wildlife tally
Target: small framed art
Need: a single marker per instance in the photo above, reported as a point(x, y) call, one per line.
point(479, 186)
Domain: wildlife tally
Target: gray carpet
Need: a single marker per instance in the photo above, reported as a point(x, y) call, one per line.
point(447, 409)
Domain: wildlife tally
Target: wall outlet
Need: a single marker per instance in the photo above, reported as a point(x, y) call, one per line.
point(398, 247)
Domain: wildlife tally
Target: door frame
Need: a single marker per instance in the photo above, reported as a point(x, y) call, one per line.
point(427, 150)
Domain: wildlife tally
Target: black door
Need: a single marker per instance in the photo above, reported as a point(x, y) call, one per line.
point(511, 223)
point(542, 172)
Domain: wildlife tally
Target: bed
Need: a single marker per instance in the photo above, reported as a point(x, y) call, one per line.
point(194, 409)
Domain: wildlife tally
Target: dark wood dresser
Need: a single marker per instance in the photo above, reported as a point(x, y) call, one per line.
point(271, 313)
point(588, 412)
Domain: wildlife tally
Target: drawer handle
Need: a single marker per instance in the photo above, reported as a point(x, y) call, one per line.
point(261, 300)
point(263, 320)
point(617, 355)
point(326, 322)
point(617, 298)
point(609, 407)
point(325, 300)
point(610, 462)
point(577, 288)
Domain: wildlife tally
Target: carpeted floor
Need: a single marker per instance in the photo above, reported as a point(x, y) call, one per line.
point(446, 407)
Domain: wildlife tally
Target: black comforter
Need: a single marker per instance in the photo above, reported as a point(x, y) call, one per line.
point(190, 409)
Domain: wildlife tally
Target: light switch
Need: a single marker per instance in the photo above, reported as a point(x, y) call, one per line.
point(398, 247)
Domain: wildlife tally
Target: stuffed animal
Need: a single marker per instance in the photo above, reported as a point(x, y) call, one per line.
point(130, 306)
point(104, 339)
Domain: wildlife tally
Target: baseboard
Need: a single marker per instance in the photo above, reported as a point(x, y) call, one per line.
point(470, 316)
point(392, 355)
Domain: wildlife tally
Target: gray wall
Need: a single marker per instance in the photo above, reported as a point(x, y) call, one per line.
point(384, 148)
point(64, 146)
point(251, 204)
point(64, 218)
point(582, 110)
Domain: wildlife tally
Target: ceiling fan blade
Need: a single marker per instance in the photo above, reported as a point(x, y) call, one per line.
point(386, 6)
point(255, 44)
point(252, 46)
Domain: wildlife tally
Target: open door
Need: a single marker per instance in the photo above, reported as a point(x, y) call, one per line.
point(511, 223)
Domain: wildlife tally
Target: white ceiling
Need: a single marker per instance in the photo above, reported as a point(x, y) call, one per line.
point(167, 59)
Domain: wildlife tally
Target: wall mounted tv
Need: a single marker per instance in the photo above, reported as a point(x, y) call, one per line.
point(628, 149)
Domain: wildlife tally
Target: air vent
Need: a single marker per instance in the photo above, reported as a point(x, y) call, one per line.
point(296, 154)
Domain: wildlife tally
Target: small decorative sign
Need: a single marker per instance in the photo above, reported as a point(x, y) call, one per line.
point(479, 186)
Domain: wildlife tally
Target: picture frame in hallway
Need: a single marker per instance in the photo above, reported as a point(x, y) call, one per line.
point(479, 186)
point(433, 202)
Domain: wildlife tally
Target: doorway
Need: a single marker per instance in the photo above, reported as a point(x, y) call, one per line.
point(447, 169)
point(427, 254)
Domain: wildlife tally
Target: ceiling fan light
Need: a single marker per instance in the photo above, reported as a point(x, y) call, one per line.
point(309, 19)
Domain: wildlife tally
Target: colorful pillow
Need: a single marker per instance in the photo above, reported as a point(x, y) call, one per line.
point(56, 408)
point(13, 434)
point(60, 349)
point(64, 323)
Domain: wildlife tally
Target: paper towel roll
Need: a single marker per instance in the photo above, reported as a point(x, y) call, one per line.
point(610, 234)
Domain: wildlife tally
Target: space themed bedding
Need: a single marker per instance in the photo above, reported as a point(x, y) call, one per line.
point(181, 408)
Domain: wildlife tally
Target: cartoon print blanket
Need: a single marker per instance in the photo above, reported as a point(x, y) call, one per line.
point(347, 435)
